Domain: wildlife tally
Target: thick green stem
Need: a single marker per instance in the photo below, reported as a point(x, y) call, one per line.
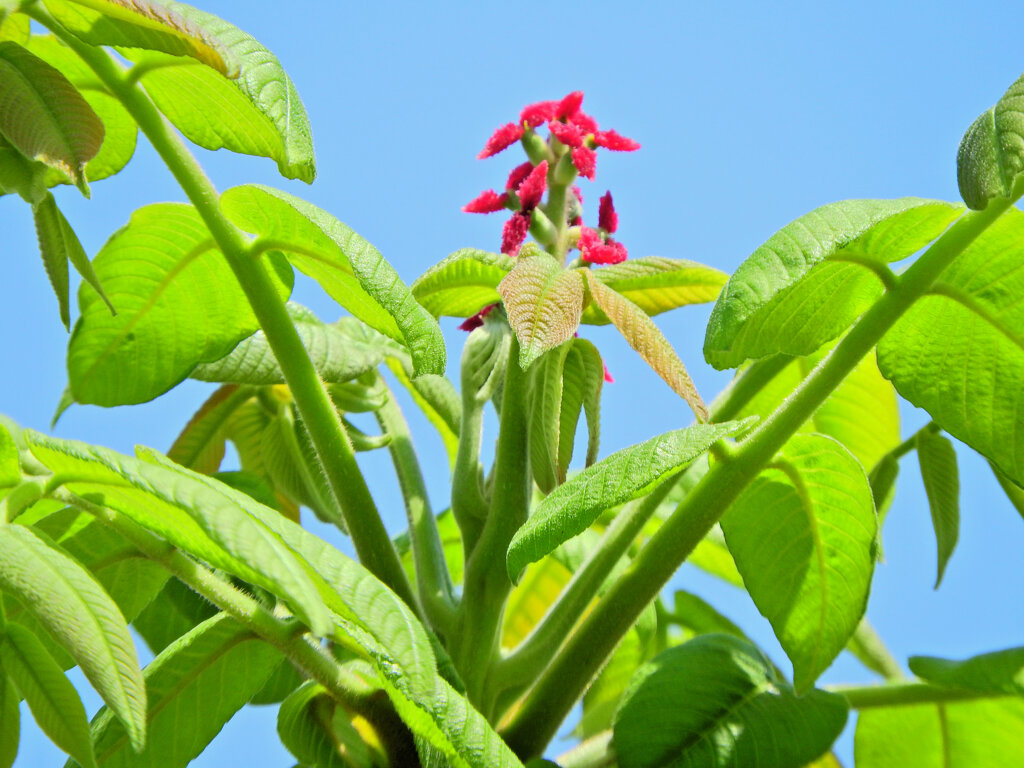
point(432, 577)
point(556, 211)
point(330, 441)
point(580, 659)
point(897, 694)
point(742, 389)
point(469, 507)
point(487, 584)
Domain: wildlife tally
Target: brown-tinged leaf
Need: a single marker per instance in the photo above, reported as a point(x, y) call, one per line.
point(648, 340)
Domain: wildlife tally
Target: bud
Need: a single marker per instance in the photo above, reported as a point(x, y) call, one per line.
point(485, 357)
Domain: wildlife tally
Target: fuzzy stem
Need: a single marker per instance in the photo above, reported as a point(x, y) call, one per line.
point(580, 659)
point(333, 448)
point(903, 693)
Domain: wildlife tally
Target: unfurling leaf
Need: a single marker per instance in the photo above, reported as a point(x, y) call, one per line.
point(991, 156)
point(942, 486)
point(44, 116)
point(317, 731)
point(717, 701)
point(543, 302)
point(200, 445)
point(645, 337)
point(803, 537)
point(460, 284)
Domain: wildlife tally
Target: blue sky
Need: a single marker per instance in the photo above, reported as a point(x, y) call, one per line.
point(750, 114)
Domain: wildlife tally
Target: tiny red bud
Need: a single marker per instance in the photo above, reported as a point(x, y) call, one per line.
point(612, 140)
point(569, 106)
point(607, 376)
point(585, 160)
point(607, 218)
point(475, 321)
point(514, 233)
point(486, 202)
point(536, 114)
point(518, 175)
point(567, 133)
point(501, 139)
point(533, 186)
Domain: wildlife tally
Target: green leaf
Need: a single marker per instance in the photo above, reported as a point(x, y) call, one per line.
point(996, 672)
point(16, 28)
point(10, 467)
point(582, 381)
point(959, 351)
point(648, 340)
point(336, 356)
point(656, 285)
point(120, 130)
point(18, 174)
point(59, 244)
point(200, 445)
point(254, 110)
point(139, 24)
point(313, 728)
point(210, 521)
point(602, 698)
point(942, 486)
point(350, 269)
point(812, 278)
point(174, 612)
point(65, 598)
point(544, 398)
point(462, 283)
point(44, 116)
point(1013, 491)
point(10, 721)
point(700, 617)
point(53, 701)
point(716, 701)
point(965, 734)
point(195, 686)
point(862, 413)
point(803, 536)
point(178, 304)
point(991, 155)
point(543, 302)
point(576, 504)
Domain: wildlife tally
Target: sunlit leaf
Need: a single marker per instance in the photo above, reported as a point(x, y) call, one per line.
point(65, 598)
point(582, 382)
point(717, 701)
point(991, 155)
point(575, 505)
point(44, 116)
point(996, 672)
point(1013, 491)
point(812, 278)
point(351, 270)
point(963, 734)
point(942, 486)
point(544, 398)
point(177, 301)
point(462, 283)
point(313, 728)
point(53, 701)
point(803, 536)
point(16, 28)
point(10, 468)
point(175, 611)
point(656, 284)
point(646, 338)
point(959, 351)
point(10, 721)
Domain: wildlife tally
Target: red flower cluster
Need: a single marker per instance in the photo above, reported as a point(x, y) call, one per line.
point(570, 129)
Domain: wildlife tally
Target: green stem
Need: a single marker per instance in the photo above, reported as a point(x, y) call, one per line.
point(556, 211)
point(333, 448)
point(903, 693)
point(433, 579)
point(910, 443)
point(742, 389)
point(524, 664)
point(869, 646)
point(469, 507)
point(580, 659)
point(487, 584)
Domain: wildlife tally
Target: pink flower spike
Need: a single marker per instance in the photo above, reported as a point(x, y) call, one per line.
point(533, 186)
point(589, 239)
point(567, 133)
point(569, 106)
point(501, 139)
point(585, 161)
point(475, 321)
point(536, 114)
point(613, 253)
point(518, 175)
point(514, 233)
point(584, 122)
point(612, 140)
point(607, 218)
point(607, 376)
point(486, 202)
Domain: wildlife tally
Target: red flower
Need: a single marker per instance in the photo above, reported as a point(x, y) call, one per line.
point(596, 251)
point(576, 191)
point(501, 139)
point(567, 133)
point(612, 140)
point(514, 232)
point(536, 114)
point(486, 202)
point(475, 321)
point(518, 175)
point(585, 160)
point(607, 218)
point(533, 186)
point(585, 123)
point(607, 376)
point(569, 106)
